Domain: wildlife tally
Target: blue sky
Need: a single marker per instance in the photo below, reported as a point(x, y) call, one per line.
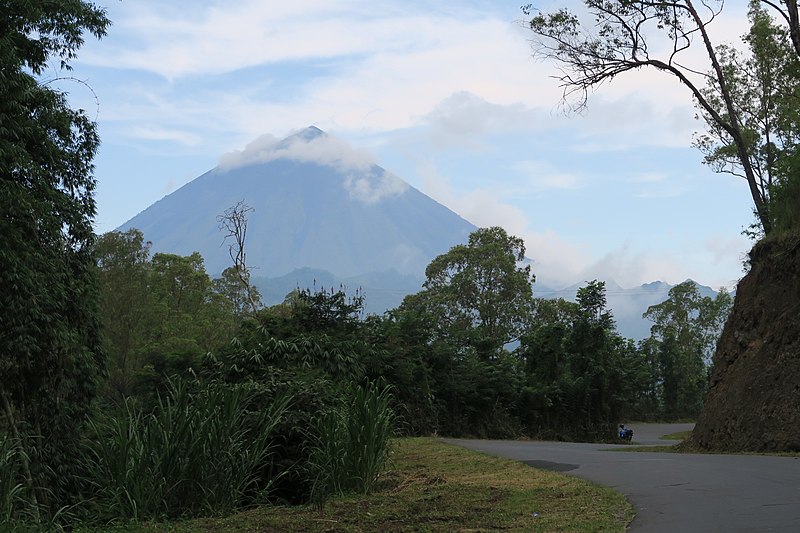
point(446, 97)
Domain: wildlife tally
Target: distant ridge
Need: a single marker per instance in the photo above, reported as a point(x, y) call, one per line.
point(627, 305)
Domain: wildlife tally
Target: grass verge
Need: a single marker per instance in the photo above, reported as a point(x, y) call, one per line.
point(647, 448)
point(681, 435)
point(433, 486)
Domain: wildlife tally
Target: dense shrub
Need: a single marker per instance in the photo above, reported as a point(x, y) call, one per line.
point(350, 443)
point(197, 452)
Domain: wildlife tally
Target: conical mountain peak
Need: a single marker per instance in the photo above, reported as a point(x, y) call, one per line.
point(306, 135)
point(311, 132)
point(309, 145)
point(318, 203)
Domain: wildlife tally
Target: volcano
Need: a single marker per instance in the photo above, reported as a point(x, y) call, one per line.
point(317, 204)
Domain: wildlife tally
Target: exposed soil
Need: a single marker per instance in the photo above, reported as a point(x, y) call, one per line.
point(754, 399)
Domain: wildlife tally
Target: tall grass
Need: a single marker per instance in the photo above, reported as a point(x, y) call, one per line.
point(13, 502)
point(196, 453)
point(19, 510)
point(350, 444)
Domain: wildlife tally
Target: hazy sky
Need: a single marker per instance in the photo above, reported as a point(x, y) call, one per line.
point(448, 98)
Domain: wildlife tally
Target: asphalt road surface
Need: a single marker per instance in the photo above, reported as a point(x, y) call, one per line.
point(671, 492)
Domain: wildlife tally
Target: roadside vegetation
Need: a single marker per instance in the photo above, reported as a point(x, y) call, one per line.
point(433, 486)
point(211, 403)
point(681, 435)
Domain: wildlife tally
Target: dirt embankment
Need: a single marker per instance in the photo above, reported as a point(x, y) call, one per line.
point(754, 399)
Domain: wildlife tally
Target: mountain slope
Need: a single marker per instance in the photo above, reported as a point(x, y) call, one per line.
point(753, 401)
point(317, 204)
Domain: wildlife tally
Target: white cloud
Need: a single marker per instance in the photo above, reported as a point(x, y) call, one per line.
point(364, 180)
point(389, 65)
point(648, 116)
point(541, 176)
point(556, 261)
point(464, 73)
point(174, 42)
point(465, 119)
point(480, 207)
point(260, 150)
point(305, 146)
point(159, 133)
point(630, 267)
point(372, 188)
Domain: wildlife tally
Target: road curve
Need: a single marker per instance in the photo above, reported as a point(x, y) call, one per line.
point(670, 492)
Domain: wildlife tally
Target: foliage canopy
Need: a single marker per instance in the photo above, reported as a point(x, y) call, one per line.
point(50, 356)
point(749, 102)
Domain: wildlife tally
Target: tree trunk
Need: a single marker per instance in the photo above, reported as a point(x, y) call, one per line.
point(734, 128)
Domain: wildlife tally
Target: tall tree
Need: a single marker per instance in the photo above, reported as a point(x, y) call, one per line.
point(49, 344)
point(481, 290)
point(764, 83)
point(685, 328)
point(123, 261)
point(593, 361)
point(184, 313)
point(618, 41)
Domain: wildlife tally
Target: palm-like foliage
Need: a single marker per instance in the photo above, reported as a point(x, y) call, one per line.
point(202, 452)
point(351, 442)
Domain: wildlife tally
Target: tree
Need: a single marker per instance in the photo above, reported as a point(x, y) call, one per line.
point(123, 261)
point(185, 315)
point(764, 82)
point(685, 329)
point(234, 223)
point(618, 42)
point(480, 291)
point(581, 375)
point(593, 362)
point(414, 363)
point(712, 315)
point(50, 355)
point(544, 352)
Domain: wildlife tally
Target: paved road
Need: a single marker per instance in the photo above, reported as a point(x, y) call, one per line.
point(675, 492)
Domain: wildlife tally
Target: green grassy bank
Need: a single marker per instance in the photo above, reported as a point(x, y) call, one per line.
point(433, 486)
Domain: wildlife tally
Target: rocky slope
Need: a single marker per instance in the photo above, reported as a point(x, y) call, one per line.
point(754, 398)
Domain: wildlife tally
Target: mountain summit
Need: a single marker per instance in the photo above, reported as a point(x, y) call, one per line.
point(318, 204)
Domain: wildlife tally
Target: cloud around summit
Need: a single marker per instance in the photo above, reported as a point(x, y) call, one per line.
point(364, 180)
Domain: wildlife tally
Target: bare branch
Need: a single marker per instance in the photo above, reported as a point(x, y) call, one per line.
point(620, 45)
point(780, 11)
point(81, 82)
point(234, 222)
